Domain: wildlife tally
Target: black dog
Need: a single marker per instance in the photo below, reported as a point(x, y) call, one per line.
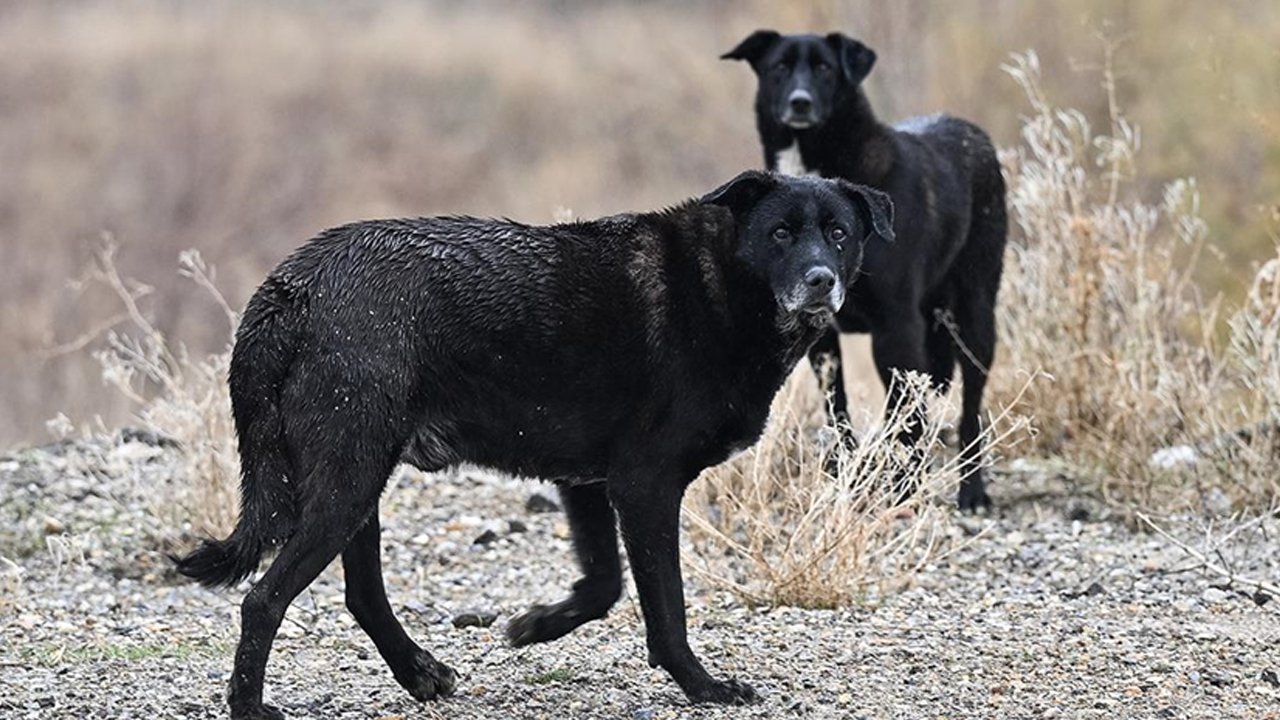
point(634, 351)
point(929, 299)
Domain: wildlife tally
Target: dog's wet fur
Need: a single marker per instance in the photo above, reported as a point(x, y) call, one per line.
point(618, 357)
point(928, 300)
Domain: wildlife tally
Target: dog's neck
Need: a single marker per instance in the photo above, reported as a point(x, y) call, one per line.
point(740, 308)
point(852, 144)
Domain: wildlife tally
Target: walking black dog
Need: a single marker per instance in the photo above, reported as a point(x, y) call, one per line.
point(618, 357)
point(931, 296)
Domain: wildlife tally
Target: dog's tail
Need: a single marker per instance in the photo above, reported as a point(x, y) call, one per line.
point(264, 350)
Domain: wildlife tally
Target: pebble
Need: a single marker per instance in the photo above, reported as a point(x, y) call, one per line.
point(1212, 596)
point(474, 618)
point(540, 502)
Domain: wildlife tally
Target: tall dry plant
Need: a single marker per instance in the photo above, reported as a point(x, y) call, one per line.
point(178, 397)
point(1248, 454)
point(801, 519)
point(1099, 295)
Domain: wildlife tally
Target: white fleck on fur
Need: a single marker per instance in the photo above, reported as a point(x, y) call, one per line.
point(789, 162)
point(918, 125)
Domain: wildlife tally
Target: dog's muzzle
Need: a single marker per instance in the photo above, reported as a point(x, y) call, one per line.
point(798, 112)
point(820, 294)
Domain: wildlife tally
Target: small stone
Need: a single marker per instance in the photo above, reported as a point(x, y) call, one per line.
point(1260, 598)
point(53, 526)
point(844, 698)
point(1213, 596)
point(644, 713)
point(485, 538)
point(517, 526)
point(1094, 589)
point(539, 502)
point(474, 618)
point(1271, 678)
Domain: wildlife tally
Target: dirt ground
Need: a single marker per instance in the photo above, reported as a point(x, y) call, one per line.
point(1052, 609)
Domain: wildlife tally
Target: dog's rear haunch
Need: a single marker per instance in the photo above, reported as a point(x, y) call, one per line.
point(619, 357)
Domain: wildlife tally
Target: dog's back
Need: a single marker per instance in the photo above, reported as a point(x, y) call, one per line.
point(948, 170)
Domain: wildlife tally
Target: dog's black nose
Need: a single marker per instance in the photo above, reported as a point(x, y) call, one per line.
point(820, 278)
point(801, 102)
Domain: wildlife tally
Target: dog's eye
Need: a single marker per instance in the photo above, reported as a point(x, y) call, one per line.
point(779, 68)
point(822, 68)
point(838, 234)
point(781, 234)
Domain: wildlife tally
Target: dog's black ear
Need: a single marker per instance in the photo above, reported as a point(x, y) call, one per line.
point(876, 207)
point(742, 193)
point(856, 59)
point(754, 47)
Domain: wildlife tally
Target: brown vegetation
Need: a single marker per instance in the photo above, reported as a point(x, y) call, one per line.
point(240, 128)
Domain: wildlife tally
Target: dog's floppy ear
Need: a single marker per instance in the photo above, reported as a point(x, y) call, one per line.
point(742, 193)
point(856, 59)
point(876, 206)
point(753, 47)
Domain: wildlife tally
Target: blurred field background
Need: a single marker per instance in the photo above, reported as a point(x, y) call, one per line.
point(242, 128)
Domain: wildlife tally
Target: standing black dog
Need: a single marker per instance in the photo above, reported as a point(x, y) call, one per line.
point(618, 357)
point(931, 296)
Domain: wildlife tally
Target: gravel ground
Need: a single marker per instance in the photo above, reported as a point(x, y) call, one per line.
point(1051, 610)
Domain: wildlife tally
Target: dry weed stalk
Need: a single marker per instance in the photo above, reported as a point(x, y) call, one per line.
point(178, 397)
point(1213, 558)
point(774, 526)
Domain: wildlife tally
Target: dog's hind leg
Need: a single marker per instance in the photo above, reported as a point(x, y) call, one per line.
point(316, 541)
point(899, 345)
point(595, 541)
point(414, 668)
point(940, 347)
point(976, 319)
point(974, 294)
point(341, 480)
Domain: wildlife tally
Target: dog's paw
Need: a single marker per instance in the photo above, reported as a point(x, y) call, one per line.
point(539, 623)
point(258, 712)
point(524, 629)
point(728, 692)
point(973, 497)
point(428, 678)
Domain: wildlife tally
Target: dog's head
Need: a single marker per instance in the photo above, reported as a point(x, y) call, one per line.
point(804, 236)
point(803, 77)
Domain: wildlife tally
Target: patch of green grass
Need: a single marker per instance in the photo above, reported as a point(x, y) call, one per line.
point(557, 675)
point(53, 656)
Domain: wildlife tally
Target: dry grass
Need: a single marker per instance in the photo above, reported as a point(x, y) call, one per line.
point(178, 397)
point(1100, 295)
point(800, 519)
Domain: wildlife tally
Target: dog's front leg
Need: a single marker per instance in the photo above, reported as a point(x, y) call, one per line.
point(648, 510)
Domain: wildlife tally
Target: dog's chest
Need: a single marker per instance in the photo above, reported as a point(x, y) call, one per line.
point(789, 162)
